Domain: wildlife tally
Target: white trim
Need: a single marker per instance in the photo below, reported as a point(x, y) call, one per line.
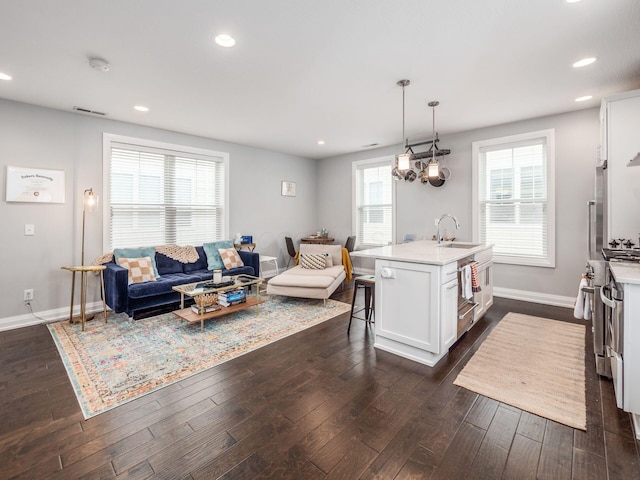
point(354, 167)
point(109, 138)
point(47, 316)
point(549, 135)
point(534, 297)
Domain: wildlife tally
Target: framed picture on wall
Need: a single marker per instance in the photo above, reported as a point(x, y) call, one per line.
point(288, 189)
point(34, 185)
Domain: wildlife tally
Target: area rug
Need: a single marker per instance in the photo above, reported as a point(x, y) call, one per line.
point(114, 363)
point(535, 364)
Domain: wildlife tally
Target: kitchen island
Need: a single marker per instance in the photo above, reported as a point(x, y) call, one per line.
point(624, 340)
point(420, 304)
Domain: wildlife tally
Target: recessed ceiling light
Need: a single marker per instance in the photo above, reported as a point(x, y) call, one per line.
point(225, 40)
point(573, 1)
point(582, 99)
point(99, 64)
point(141, 108)
point(320, 142)
point(584, 62)
point(4, 76)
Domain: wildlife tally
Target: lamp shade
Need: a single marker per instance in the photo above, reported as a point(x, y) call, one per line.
point(433, 169)
point(90, 201)
point(404, 161)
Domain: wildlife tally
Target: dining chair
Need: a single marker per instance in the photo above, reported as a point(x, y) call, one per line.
point(351, 243)
point(291, 249)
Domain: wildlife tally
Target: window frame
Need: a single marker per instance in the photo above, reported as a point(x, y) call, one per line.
point(548, 135)
point(355, 166)
point(109, 139)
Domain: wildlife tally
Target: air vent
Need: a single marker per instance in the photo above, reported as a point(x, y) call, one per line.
point(370, 145)
point(86, 110)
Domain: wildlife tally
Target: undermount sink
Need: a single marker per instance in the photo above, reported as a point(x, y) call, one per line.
point(459, 245)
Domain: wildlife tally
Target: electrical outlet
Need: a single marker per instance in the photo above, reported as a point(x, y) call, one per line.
point(28, 294)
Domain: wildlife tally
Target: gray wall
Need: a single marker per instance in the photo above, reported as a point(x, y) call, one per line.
point(576, 139)
point(32, 136)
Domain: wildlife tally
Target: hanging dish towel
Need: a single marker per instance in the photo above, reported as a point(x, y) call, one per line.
point(587, 307)
point(465, 278)
point(578, 309)
point(475, 282)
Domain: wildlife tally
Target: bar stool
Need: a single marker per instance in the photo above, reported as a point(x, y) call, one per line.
point(368, 282)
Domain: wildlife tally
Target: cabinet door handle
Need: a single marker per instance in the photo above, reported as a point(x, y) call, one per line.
point(452, 286)
point(452, 273)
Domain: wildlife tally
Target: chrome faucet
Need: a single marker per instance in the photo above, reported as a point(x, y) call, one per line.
point(438, 237)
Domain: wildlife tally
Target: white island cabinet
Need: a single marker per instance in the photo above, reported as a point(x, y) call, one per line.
point(417, 291)
point(627, 389)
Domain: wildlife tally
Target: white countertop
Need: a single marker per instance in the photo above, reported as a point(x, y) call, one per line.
point(625, 272)
point(422, 251)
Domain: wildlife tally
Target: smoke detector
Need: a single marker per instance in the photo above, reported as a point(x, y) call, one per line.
point(99, 64)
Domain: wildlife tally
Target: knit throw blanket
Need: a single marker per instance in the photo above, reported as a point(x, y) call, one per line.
point(182, 254)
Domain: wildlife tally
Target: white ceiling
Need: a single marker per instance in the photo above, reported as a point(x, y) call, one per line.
point(304, 70)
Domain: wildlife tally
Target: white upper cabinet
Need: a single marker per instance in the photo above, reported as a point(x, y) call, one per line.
point(620, 142)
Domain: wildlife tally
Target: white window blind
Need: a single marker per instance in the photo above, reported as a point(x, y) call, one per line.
point(161, 196)
point(373, 203)
point(513, 201)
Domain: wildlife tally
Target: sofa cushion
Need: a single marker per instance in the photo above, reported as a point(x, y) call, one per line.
point(305, 277)
point(298, 271)
point(138, 253)
point(162, 286)
point(167, 265)
point(140, 269)
point(230, 258)
point(200, 264)
point(214, 261)
point(313, 261)
point(334, 251)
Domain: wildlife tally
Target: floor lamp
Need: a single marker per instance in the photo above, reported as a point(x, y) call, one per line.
point(89, 204)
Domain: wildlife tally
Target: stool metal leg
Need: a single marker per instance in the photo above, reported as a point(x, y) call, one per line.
point(353, 303)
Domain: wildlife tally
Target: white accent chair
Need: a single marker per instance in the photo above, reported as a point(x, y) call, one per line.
point(309, 283)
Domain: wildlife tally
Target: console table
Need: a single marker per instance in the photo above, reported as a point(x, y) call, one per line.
point(320, 240)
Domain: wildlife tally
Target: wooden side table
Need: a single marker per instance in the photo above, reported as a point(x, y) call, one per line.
point(84, 270)
point(245, 246)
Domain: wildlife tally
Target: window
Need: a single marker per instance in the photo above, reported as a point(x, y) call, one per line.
point(159, 194)
point(513, 200)
point(373, 193)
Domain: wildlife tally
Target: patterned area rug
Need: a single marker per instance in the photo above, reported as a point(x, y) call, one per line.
point(114, 363)
point(535, 364)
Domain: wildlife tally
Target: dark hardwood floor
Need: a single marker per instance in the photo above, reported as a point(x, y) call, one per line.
point(319, 404)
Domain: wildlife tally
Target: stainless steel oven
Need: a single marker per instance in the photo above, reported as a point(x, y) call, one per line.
point(596, 273)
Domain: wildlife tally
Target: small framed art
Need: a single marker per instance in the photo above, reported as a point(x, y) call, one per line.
point(37, 185)
point(288, 189)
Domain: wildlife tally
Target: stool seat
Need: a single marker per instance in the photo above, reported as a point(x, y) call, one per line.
point(368, 283)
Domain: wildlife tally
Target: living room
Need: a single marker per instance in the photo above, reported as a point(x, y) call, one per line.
point(37, 132)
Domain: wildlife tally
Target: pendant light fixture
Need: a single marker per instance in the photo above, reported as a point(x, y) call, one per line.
point(433, 168)
point(429, 170)
point(403, 160)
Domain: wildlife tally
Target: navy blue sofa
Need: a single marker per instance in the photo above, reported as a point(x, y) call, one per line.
point(122, 297)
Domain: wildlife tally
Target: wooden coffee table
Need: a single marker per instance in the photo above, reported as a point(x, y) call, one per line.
point(190, 290)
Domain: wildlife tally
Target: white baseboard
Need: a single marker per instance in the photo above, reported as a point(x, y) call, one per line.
point(46, 316)
point(534, 297)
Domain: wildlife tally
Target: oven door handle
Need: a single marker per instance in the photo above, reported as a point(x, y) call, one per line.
point(608, 302)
